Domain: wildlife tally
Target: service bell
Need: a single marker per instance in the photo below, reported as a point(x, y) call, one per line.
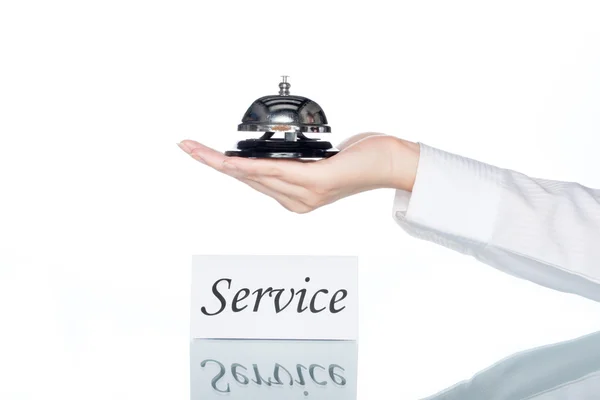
point(290, 127)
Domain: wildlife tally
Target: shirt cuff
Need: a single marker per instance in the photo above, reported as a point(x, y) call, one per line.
point(453, 197)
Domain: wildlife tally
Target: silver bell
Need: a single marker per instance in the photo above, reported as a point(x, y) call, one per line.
point(288, 125)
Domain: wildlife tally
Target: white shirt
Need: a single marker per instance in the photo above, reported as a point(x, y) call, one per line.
point(545, 231)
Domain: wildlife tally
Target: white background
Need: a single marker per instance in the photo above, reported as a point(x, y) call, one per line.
point(100, 211)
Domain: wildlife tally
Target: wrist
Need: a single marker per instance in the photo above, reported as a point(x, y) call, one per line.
point(404, 161)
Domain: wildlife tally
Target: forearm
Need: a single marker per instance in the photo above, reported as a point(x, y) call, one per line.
point(544, 231)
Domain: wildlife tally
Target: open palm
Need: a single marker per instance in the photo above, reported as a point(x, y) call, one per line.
point(366, 161)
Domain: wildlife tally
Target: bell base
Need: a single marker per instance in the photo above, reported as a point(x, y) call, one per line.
point(266, 147)
point(304, 154)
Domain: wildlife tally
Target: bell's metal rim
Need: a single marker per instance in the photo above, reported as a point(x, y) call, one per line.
point(284, 128)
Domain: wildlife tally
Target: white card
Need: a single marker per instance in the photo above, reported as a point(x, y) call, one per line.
point(274, 297)
point(273, 369)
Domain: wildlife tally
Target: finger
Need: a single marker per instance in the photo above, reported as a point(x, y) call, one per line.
point(291, 171)
point(237, 165)
point(202, 153)
point(208, 156)
point(189, 145)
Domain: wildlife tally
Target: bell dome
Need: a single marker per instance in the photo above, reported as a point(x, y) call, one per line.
point(284, 113)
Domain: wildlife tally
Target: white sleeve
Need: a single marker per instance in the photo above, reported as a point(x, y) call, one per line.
point(545, 231)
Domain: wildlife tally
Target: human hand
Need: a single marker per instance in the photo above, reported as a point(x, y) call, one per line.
point(366, 161)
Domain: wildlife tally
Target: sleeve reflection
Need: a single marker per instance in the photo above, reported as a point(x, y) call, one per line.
point(567, 370)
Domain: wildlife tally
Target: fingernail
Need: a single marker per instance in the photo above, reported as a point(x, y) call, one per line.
point(183, 147)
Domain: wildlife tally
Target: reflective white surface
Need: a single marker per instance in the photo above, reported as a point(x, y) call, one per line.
point(283, 369)
point(273, 369)
point(122, 335)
